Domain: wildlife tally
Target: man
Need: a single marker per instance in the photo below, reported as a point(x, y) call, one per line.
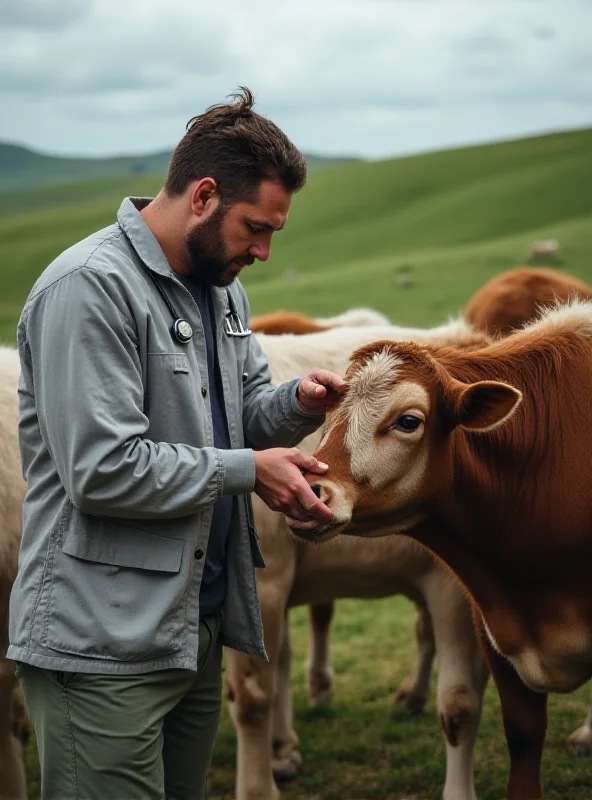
point(147, 418)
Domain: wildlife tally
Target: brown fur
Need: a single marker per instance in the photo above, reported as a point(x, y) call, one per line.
point(516, 297)
point(280, 322)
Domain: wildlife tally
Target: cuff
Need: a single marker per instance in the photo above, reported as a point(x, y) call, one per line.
point(239, 471)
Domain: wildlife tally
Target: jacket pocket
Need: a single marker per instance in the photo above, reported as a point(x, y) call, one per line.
point(115, 594)
point(173, 399)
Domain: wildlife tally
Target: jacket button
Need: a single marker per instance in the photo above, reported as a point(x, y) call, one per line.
point(199, 554)
point(245, 377)
point(204, 391)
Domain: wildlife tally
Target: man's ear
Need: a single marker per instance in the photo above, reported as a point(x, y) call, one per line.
point(482, 406)
point(204, 197)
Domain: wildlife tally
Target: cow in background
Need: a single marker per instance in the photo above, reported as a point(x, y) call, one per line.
point(277, 323)
point(319, 672)
point(515, 298)
point(296, 574)
point(12, 491)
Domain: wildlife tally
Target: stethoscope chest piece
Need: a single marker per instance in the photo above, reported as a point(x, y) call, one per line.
point(182, 331)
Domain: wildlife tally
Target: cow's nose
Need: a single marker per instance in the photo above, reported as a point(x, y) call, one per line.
point(316, 489)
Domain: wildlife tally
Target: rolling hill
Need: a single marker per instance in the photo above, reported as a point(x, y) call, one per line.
point(413, 237)
point(21, 167)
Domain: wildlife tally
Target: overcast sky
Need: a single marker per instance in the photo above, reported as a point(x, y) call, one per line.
point(368, 77)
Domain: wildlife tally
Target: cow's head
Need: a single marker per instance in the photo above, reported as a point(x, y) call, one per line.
point(389, 442)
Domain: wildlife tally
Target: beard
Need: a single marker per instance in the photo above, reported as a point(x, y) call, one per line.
point(207, 257)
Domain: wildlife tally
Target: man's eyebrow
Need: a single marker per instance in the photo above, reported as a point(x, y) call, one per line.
point(266, 226)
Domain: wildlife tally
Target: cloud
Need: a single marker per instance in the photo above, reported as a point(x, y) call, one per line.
point(40, 14)
point(367, 76)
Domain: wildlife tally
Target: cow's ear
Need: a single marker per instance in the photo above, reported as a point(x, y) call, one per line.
point(482, 406)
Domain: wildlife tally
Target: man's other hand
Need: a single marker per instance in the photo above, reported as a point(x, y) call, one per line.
point(319, 391)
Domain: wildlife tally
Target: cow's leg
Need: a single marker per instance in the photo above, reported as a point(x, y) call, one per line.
point(319, 672)
point(413, 693)
point(251, 685)
point(524, 714)
point(12, 769)
point(580, 741)
point(462, 676)
point(286, 757)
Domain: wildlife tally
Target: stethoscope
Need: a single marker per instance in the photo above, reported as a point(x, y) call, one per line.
point(181, 329)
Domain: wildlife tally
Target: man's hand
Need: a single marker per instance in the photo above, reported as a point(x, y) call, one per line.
point(319, 391)
point(281, 485)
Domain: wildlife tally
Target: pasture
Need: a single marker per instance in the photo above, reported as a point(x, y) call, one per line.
point(413, 238)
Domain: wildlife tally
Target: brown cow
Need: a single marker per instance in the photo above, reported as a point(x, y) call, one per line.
point(508, 302)
point(516, 297)
point(280, 322)
point(483, 458)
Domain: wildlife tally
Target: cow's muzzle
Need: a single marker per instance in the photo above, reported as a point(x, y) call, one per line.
point(311, 530)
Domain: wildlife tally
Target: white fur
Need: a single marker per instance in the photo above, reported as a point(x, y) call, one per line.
point(12, 489)
point(573, 316)
point(355, 317)
point(291, 355)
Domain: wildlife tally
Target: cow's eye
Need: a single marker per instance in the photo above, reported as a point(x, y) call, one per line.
point(407, 423)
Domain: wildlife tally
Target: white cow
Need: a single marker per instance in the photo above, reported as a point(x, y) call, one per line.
point(298, 574)
point(12, 488)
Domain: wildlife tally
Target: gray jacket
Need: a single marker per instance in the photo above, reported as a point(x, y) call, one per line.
point(116, 442)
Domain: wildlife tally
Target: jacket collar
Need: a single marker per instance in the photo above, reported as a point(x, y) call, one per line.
point(146, 246)
point(141, 237)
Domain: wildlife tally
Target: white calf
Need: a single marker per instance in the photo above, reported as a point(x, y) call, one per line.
point(298, 574)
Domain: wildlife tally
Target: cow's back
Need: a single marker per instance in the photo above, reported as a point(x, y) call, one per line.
point(514, 298)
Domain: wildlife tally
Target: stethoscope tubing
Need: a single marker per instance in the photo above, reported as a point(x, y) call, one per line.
point(181, 329)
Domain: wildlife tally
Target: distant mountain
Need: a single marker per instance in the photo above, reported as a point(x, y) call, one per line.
point(21, 167)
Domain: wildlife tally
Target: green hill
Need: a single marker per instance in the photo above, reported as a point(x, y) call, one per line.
point(21, 167)
point(413, 237)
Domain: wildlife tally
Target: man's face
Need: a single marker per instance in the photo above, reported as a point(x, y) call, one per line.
point(233, 238)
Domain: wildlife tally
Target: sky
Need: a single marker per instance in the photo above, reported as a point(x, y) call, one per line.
point(372, 78)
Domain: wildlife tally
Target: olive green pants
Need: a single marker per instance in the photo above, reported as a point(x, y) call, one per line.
point(127, 737)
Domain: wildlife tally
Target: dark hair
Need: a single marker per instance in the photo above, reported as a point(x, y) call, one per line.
point(238, 148)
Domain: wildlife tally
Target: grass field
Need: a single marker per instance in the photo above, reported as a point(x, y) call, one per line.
point(362, 749)
point(413, 238)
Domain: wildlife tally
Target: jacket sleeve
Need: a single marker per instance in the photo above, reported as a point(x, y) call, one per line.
point(271, 415)
point(79, 344)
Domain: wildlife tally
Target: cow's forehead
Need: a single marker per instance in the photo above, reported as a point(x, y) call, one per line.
point(371, 381)
point(375, 386)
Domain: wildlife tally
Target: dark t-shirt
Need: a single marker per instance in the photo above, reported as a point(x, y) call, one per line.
point(213, 584)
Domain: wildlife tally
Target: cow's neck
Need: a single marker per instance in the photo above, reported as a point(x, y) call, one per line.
point(473, 568)
point(528, 480)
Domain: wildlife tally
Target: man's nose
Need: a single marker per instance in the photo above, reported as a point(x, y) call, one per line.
point(260, 252)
